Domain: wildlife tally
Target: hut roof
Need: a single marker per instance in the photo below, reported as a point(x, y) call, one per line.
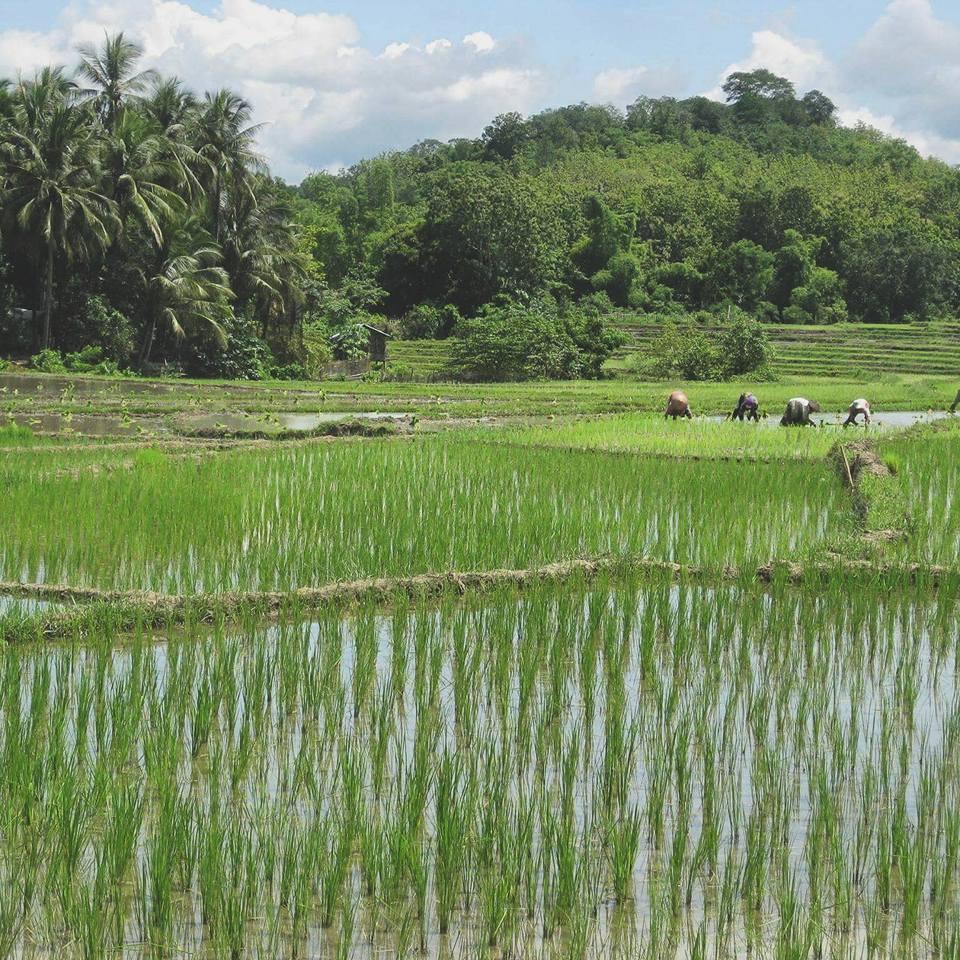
point(336, 337)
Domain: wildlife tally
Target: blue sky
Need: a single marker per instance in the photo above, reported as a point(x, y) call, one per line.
point(336, 82)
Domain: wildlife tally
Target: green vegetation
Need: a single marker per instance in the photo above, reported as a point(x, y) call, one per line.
point(762, 205)
point(660, 760)
point(702, 439)
point(928, 482)
point(136, 220)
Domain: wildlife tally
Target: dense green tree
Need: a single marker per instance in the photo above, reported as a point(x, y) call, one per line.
point(743, 273)
point(505, 136)
point(757, 83)
point(52, 197)
point(488, 233)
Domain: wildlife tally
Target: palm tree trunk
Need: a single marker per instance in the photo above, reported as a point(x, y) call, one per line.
point(144, 357)
point(47, 299)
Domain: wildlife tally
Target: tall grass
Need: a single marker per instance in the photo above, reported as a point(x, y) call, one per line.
point(305, 517)
point(928, 472)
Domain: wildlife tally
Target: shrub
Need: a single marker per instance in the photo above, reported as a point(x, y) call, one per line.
point(353, 342)
point(48, 361)
point(429, 322)
point(245, 357)
point(101, 324)
point(537, 341)
point(688, 354)
point(745, 346)
point(398, 372)
point(90, 360)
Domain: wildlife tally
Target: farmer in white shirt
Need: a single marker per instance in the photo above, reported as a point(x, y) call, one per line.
point(858, 407)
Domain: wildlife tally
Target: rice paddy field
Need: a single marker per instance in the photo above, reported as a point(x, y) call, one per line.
point(589, 687)
point(154, 409)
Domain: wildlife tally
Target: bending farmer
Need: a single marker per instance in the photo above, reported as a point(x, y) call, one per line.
point(857, 408)
point(747, 408)
point(678, 406)
point(798, 412)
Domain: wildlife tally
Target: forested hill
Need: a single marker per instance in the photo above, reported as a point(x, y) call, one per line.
point(673, 206)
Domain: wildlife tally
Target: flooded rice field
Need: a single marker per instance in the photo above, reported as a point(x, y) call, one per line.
point(187, 424)
point(249, 520)
point(636, 769)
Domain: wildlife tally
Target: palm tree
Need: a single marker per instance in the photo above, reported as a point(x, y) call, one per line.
point(172, 110)
point(137, 165)
point(170, 107)
point(184, 286)
point(224, 141)
point(259, 253)
point(113, 75)
point(35, 99)
point(50, 169)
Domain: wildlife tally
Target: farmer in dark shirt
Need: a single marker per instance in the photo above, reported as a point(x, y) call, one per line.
point(747, 408)
point(798, 412)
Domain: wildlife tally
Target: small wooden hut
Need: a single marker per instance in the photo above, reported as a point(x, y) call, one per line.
point(376, 351)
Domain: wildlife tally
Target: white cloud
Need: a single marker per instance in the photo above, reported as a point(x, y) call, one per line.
point(623, 86)
point(908, 62)
point(480, 41)
point(800, 61)
point(322, 94)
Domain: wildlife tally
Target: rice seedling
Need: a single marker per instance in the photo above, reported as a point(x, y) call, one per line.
point(249, 521)
point(629, 768)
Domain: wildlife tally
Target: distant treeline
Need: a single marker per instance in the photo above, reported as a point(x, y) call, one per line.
point(137, 218)
point(668, 208)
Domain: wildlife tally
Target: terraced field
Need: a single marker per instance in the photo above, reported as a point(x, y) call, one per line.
point(543, 687)
point(846, 350)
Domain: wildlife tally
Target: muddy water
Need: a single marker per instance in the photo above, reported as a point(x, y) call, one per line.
point(890, 419)
point(84, 386)
point(89, 425)
point(115, 425)
point(272, 423)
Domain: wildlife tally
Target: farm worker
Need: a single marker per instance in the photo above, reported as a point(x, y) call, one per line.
point(798, 412)
point(858, 407)
point(747, 408)
point(956, 402)
point(678, 406)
